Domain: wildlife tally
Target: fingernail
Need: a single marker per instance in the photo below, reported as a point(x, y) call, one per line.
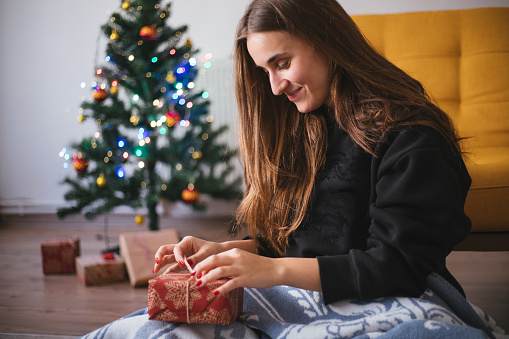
point(192, 274)
point(181, 264)
point(158, 260)
point(198, 283)
point(216, 292)
point(199, 275)
point(191, 262)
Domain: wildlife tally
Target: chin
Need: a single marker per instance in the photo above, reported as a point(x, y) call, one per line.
point(303, 108)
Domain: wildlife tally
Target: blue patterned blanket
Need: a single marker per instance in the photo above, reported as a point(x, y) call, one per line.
point(288, 312)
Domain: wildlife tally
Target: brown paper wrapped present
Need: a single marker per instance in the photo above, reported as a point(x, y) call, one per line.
point(138, 250)
point(58, 256)
point(174, 297)
point(95, 270)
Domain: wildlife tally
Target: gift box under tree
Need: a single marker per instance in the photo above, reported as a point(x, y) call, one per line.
point(138, 250)
point(96, 270)
point(174, 297)
point(58, 256)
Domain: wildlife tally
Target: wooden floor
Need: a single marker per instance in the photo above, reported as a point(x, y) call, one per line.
point(33, 303)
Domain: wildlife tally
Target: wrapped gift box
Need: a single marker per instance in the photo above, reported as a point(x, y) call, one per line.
point(138, 250)
point(58, 256)
point(174, 297)
point(95, 270)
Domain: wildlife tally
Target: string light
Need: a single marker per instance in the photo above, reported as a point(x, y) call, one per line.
point(119, 171)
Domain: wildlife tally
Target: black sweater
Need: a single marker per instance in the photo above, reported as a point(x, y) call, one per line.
point(379, 226)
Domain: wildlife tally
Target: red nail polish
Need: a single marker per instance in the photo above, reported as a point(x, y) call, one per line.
point(192, 274)
point(199, 275)
point(181, 264)
point(191, 262)
point(198, 283)
point(216, 292)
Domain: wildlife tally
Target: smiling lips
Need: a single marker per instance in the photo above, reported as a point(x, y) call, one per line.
point(291, 96)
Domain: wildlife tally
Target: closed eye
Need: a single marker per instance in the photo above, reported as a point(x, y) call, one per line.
point(278, 67)
point(284, 65)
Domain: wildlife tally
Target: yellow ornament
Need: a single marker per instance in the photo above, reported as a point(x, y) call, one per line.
point(114, 35)
point(170, 77)
point(101, 181)
point(139, 219)
point(189, 43)
point(134, 119)
point(114, 90)
point(81, 118)
point(125, 5)
point(197, 155)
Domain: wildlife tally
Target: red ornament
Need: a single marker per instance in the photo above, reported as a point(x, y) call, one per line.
point(99, 95)
point(148, 32)
point(80, 163)
point(190, 195)
point(108, 256)
point(172, 118)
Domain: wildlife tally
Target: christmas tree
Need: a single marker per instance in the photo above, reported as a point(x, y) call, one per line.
point(155, 138)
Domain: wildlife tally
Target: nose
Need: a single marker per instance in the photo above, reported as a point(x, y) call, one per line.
point(278, 85)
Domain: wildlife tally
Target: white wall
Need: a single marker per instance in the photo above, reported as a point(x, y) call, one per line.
point(47, 48)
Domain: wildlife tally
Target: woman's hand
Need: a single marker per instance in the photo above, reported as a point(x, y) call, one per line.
point(244, 269)
point(195, 249)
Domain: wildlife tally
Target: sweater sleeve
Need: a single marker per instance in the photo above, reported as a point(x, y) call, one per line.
point(416, 219)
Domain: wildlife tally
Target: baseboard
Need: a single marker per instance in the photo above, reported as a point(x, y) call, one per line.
point(216, 208)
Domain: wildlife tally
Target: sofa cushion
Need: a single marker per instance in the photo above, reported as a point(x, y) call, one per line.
point(487, 202)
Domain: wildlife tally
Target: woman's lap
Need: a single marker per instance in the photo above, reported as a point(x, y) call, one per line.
point(287, 312)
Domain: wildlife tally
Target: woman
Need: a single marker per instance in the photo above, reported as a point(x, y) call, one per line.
point(355, 185)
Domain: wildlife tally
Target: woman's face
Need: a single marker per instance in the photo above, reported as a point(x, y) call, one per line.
point(293, 68)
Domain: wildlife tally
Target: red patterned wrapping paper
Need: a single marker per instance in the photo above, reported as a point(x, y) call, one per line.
point(58, 256)
point(174, 297)
point(94, 270)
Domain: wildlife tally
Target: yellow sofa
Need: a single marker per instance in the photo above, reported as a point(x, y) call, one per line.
point(462, 59)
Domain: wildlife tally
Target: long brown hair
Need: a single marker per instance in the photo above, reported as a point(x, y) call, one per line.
point(281, 149)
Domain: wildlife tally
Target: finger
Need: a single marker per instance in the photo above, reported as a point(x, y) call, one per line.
point(217, 273)
point(213, 261)
point(166, 259)
point(185, 246)
point(198, 256)
point(228, 286)
point(163, 250)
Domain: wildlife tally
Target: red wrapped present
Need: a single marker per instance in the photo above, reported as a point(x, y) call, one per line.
point(97, 270)
point(58, 256)
point(174, 297)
